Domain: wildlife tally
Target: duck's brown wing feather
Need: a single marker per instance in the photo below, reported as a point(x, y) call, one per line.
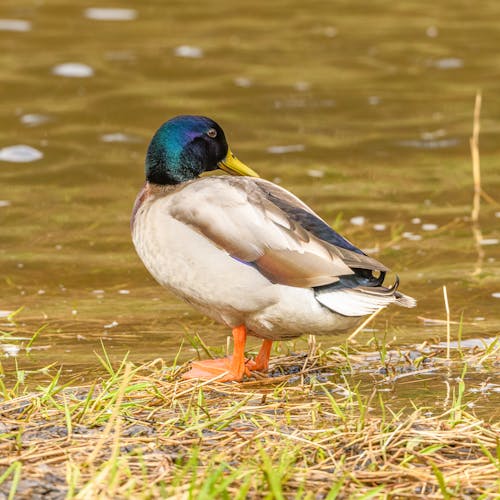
point(256, 222)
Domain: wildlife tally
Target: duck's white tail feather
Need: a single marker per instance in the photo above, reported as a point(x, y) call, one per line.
point(404, 300)
point(359, 302)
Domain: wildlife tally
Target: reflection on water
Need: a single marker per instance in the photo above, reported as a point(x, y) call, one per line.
point(363, 113)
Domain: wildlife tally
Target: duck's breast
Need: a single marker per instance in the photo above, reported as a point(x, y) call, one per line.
point(190, 265)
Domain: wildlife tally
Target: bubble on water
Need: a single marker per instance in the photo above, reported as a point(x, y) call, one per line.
point(432, 32)
point(20, 153)
point(113, 324)
point(437, 144)
point(359, 220)
point(379, 227)
point(110, 14)
point(448, 63)
point(4, 203)
point(496, 295)
point(123, 292)
point(279, 150)
point(290, 103)
point(33, 119)
point(429, 227)
point(11, 349)
point(497, 214)
point(326, 103)
point(416, 220)
point(434, 134)
point(242, 81)
point(301, 86)
point(15, 25)
point(330, 31)
point(188, 51)
point(411, 236)
point(485, 388)
point(119, 137)
point(98, 292)
point(315, 173)
point(373, 100)
point(490, 241)
point(5, 314)
point(73, 70)
point(120, 55)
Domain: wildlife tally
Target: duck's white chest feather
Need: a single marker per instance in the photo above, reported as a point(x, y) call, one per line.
point(187, 263)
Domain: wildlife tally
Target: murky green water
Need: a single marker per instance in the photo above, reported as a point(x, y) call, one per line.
point(363, 111)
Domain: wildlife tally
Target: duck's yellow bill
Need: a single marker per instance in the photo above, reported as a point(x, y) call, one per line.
point(233, 166)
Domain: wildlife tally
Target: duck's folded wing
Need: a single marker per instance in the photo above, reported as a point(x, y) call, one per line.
point(253, 225)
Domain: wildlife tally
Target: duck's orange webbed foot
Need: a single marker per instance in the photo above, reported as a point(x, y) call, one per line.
point(230, 368)
point(225, 368)
point(261, 361)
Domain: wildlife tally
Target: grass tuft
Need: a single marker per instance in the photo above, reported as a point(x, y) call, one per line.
point(305, 432)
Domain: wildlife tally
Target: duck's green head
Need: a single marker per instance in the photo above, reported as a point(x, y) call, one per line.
point(185, 147)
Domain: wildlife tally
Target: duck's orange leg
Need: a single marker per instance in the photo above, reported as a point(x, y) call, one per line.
point(261, 361)
point(231, 368)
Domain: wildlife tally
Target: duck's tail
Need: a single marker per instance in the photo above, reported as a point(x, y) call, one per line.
point(361, 300)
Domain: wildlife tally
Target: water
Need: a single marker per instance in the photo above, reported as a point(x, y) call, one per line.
point(363, 111)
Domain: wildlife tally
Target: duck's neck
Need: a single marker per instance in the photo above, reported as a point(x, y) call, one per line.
point(150, 190)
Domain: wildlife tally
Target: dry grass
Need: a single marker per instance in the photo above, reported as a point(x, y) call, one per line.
point(143, 432)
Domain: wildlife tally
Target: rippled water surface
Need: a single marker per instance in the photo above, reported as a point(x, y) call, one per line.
point(365, 112)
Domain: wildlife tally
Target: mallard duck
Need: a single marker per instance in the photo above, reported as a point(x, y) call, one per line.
point(244, 251)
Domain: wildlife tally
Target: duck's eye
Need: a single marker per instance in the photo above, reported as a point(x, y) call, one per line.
point(212, 133)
